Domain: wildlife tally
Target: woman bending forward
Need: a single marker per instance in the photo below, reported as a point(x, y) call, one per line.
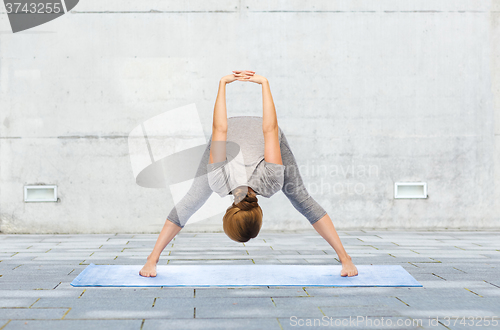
point(247, 156)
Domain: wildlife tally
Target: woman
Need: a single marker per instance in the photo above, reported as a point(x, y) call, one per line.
point(247, 156)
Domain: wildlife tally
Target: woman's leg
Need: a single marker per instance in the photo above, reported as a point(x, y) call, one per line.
point(326, 229)
point(194, 199)
point(294, 189)
point(168, 232)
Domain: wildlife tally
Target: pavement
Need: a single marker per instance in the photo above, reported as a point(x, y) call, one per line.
point(459, 271)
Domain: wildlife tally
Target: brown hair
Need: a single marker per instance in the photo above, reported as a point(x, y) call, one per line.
point(243, 220)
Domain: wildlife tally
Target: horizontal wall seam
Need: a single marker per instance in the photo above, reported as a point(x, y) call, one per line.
point(278, 11)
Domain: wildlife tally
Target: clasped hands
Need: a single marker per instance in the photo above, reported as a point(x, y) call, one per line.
point(243, 75)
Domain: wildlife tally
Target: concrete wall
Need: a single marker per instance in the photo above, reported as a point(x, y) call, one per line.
point(368, 93)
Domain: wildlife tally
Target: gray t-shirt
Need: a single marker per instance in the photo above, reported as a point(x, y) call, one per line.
point(245, 164)
point(293, 187)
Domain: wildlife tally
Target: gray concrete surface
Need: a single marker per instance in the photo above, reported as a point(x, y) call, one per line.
point(409, 88)
point(458, 270)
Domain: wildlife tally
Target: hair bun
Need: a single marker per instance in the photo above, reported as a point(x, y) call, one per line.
point(248, 203)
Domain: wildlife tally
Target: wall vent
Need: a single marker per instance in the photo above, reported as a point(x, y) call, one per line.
point(410, 190)
point(40, 193)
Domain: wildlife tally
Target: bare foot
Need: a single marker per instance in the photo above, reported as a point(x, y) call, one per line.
point(348, 268)
point(149, 269)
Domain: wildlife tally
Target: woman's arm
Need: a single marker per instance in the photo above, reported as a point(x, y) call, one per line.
point(219, 125)
point(272, 152)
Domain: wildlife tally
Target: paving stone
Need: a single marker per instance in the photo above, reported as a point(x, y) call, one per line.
point(235, 307)
point(16, 313)
point(35, 294)
point(360, 310)
point(131, 314)
point(250, 292)
point(74, 324)
point(336, 301)
point(269, 261)
point(15, 302)
point(365, 292)
point(28, 285)
point(131, 293)
point(253, 323)
point(450, 305)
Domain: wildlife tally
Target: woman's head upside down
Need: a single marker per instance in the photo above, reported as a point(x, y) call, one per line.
point(243, 219)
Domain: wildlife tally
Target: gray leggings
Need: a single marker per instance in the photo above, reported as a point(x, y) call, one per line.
point(293, 188)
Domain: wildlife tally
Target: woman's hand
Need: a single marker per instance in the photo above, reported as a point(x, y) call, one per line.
point(247, 75)
point(234, 76)
point(228, 79)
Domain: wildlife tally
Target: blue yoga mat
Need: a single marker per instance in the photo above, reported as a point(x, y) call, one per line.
point(244, 275)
